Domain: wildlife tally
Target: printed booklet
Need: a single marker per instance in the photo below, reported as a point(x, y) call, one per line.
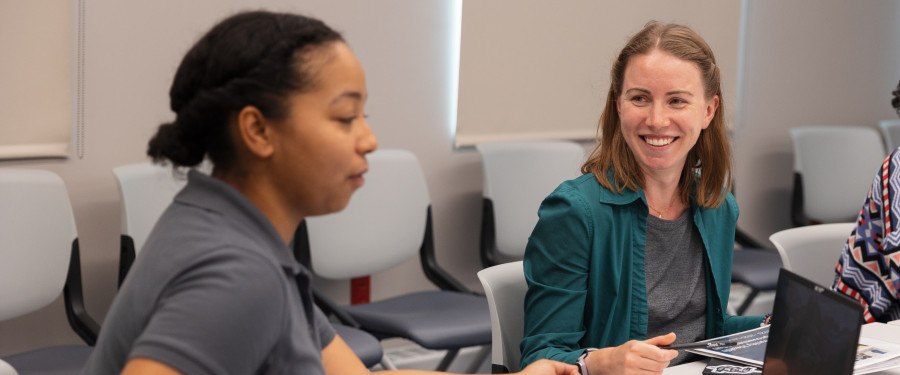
point(872, 355)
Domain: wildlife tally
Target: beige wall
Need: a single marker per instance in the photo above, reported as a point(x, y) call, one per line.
point(807, 61)
point(132, 50)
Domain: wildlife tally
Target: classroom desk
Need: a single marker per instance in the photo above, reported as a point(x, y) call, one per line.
point(884, 332)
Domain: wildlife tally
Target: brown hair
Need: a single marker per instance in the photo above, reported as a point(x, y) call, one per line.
point(712, 153)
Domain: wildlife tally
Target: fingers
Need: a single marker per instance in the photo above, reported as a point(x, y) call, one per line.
point(646, 358)
point(666, 339)
point(662, 340)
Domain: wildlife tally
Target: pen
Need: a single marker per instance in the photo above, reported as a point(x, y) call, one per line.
point(701, 345)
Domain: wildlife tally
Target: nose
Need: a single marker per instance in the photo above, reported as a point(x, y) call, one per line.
point(657, 116)
point(367, 141)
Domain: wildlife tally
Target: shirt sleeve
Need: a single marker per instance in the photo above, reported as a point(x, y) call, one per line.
point(556, 268)
point(862, 269)
point(324, 328)
point(222, 315)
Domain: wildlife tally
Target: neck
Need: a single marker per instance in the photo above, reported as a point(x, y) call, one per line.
point(663, 198)
point(259, 191)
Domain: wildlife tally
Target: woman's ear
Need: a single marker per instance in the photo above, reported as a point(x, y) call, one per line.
point(255, 132)
point(711, 107)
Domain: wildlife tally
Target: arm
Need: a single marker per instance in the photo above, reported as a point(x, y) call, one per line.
point(145, 366)
point(556, 268)
point(633, 357)
point(865, 245)
point(204, 319)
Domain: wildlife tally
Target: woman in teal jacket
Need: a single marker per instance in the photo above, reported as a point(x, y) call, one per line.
point(641, 245)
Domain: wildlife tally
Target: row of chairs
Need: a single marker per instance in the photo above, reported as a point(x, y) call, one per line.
point(517, 177)
point(819, 194)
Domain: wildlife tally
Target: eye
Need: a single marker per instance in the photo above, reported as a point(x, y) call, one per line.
point(347, 120)
point(678, 102)
point(639, 99)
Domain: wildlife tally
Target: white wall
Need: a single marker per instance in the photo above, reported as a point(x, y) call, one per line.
point(807, 61)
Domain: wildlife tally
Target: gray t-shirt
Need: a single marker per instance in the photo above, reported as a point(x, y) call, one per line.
point(676, 283)
point(215, 290)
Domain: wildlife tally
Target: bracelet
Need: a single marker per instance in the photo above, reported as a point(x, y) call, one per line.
point(582, 366)
point(767, 319)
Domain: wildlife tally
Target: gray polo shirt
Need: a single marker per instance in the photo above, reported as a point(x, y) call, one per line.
point(215, 290)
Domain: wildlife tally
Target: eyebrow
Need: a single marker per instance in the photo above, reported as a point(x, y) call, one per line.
point(348, 95)
point(670, 93)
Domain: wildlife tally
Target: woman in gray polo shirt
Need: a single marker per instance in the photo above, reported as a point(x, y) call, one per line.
point(275, 101)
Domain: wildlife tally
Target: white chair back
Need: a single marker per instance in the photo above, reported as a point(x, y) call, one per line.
point(37, 229)
point(382, 226)
point(890, 130)
point(837, 164)
point(7, 369)
point(812, 251)
point(517, 178)
point(146, 190)
point(505, 287)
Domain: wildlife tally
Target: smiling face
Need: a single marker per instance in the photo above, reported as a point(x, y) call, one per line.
point(663, 108)
point(323, 142)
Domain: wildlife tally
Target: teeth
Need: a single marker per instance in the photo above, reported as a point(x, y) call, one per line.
point(659, 141)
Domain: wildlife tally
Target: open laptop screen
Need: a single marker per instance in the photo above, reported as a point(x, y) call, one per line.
point(814, 330)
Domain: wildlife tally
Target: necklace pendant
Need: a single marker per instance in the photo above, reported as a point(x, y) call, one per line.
point(660, 216)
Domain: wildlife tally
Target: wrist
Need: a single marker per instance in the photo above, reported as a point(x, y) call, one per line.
point(582, 361)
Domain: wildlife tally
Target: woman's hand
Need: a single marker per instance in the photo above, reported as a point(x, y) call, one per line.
point(633, 357)
point(546, 366)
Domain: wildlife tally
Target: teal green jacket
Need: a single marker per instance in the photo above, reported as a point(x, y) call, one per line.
point(584, 264)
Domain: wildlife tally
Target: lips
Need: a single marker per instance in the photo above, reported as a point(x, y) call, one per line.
point(659, 141)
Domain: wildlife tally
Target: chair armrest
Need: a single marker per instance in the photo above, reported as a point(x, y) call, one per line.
point(745, 241)
point(798, 211)
point(488, 239)
point(331, 308)
point(85, 326)
point(127, 254)
point(437, 275)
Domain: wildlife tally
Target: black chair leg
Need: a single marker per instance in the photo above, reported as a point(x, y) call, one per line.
point(747, 301)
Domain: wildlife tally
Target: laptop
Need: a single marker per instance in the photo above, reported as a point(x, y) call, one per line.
point(814, 330)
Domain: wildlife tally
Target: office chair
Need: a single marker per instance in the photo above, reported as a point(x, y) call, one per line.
point(517, 178)
point(505, 287)
point(813, 251)
point(833, 169)
point(146, 190)
point(39, 259)
point(387, 222)
point(890, 131)
point(7, 369)
point(755, 266)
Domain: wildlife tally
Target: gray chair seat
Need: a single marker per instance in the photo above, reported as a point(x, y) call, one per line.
point(435, 320)
point(364, 345)
point(67, 360)
point(757, 268)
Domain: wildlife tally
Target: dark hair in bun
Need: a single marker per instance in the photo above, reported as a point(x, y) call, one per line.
point(249, 59)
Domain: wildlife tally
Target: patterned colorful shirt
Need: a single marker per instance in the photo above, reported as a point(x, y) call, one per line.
point(869, 267)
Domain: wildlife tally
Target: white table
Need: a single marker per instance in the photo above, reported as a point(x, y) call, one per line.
point(884, 332)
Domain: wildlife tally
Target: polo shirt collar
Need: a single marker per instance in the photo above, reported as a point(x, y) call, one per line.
point(215, 195)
